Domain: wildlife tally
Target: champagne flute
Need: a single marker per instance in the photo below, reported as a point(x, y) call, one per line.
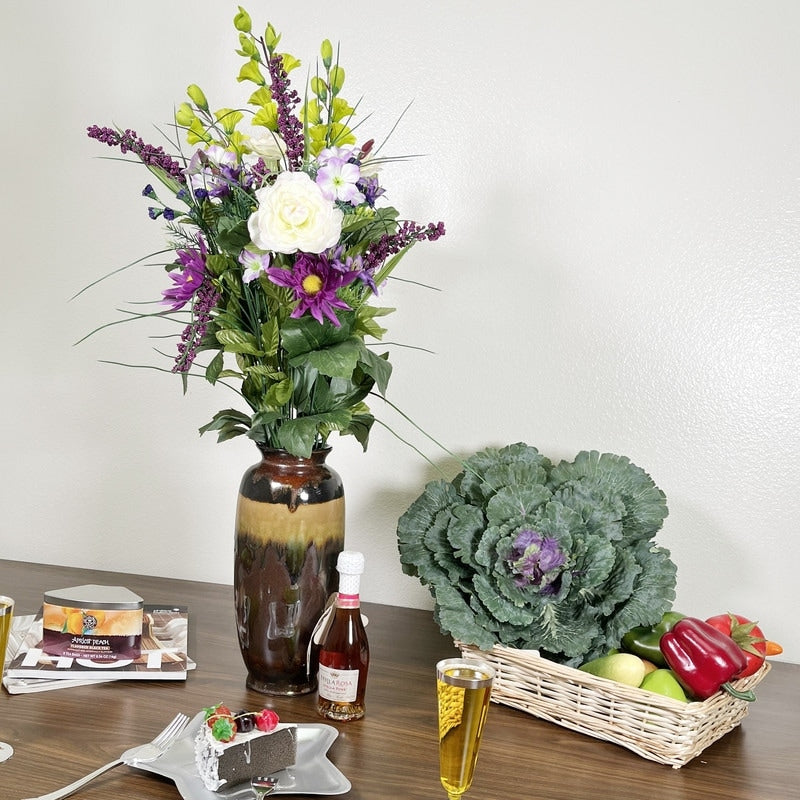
point(463, 688)
point(6, 612)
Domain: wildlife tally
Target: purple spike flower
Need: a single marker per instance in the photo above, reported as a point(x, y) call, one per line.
point(389, 244)
point(129, 141)
point(205, 300)
point(289, 126)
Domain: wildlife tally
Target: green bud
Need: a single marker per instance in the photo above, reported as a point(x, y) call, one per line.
point(337, 79)
point(184, 115)
point(327, 53)
point(197, 96)
point(249, 49)
point(242, 21)
point(319, 87)
point(271, 38)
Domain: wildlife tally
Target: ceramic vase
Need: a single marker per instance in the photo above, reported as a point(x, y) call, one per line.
point(289, 533)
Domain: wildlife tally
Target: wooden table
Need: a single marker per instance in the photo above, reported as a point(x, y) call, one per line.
point(392, 753)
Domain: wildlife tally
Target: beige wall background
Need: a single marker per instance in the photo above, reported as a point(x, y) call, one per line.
point(621, 187)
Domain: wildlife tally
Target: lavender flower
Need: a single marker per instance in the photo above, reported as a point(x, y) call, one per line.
point(389, 244)
point(205, 301)
point(129, 141)
point(214, 170)
point(370, 188)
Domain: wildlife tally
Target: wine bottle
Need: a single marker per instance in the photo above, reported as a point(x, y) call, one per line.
point(344, 650)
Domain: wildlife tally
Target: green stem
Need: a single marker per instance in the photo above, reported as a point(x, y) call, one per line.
point(748, 695)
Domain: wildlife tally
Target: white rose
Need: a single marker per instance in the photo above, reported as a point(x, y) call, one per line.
point(293, 215)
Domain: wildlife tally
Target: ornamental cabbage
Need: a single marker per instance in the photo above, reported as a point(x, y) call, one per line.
point(558, 558)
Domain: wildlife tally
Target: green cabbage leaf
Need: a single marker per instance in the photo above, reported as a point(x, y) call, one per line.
point(559, 558)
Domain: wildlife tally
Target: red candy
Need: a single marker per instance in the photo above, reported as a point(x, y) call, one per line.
point(267, 720)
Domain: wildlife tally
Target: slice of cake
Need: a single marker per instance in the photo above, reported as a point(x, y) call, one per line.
point(232, 748)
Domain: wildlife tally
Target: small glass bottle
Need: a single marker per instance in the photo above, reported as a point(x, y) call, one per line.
point(344, 651)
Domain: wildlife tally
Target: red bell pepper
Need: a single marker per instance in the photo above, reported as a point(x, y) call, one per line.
point(703, 659)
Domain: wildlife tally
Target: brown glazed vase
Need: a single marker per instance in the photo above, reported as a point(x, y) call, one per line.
point(289, 533)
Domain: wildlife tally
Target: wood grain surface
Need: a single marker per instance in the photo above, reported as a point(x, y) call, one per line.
point(392, 753)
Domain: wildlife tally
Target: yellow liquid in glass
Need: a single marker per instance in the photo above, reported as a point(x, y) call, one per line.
point(462, 714)
point(5, 627)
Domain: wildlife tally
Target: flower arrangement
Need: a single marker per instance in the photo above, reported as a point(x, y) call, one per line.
point(529, 554)
point(280, 244)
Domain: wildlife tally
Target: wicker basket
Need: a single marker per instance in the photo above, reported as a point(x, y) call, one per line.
point(651, 725)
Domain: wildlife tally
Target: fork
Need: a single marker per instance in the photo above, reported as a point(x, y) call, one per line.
point(136, 755)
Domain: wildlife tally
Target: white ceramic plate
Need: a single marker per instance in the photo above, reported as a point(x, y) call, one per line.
point(313, 773)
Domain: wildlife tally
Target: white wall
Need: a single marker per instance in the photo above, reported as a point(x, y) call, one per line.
point(620, 186)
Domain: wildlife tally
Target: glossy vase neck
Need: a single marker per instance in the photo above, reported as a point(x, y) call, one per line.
point(283, 459)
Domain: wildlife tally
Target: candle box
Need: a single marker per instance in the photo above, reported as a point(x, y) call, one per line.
point(99, 623)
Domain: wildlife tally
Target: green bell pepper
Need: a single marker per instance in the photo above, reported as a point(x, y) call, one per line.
point(644, 640)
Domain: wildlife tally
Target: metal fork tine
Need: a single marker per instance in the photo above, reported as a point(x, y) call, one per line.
point(171, 731)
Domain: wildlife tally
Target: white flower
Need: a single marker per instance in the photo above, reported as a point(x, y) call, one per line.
point(293, 215)
point(338, 180)
point(270, 147)
point(254, 264)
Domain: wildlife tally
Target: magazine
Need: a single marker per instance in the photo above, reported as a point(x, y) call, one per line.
point(163, 655)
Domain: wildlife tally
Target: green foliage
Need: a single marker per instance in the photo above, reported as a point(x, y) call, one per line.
point(600, 512)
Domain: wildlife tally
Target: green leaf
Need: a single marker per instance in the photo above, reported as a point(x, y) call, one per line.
point(232, 235)
point(236, 341)
point(217, 264)
point(279, 393)
point(214, 368)
point(336, 361)
point(377, 367)
point(298, 436)
point(270, 337)
point(228, 423)
point(359, 427)
point(305, 334)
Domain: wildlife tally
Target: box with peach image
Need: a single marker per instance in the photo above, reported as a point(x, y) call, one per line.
point(99, 623)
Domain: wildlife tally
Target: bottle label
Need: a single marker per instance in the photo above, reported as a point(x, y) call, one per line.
point(338, 685)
